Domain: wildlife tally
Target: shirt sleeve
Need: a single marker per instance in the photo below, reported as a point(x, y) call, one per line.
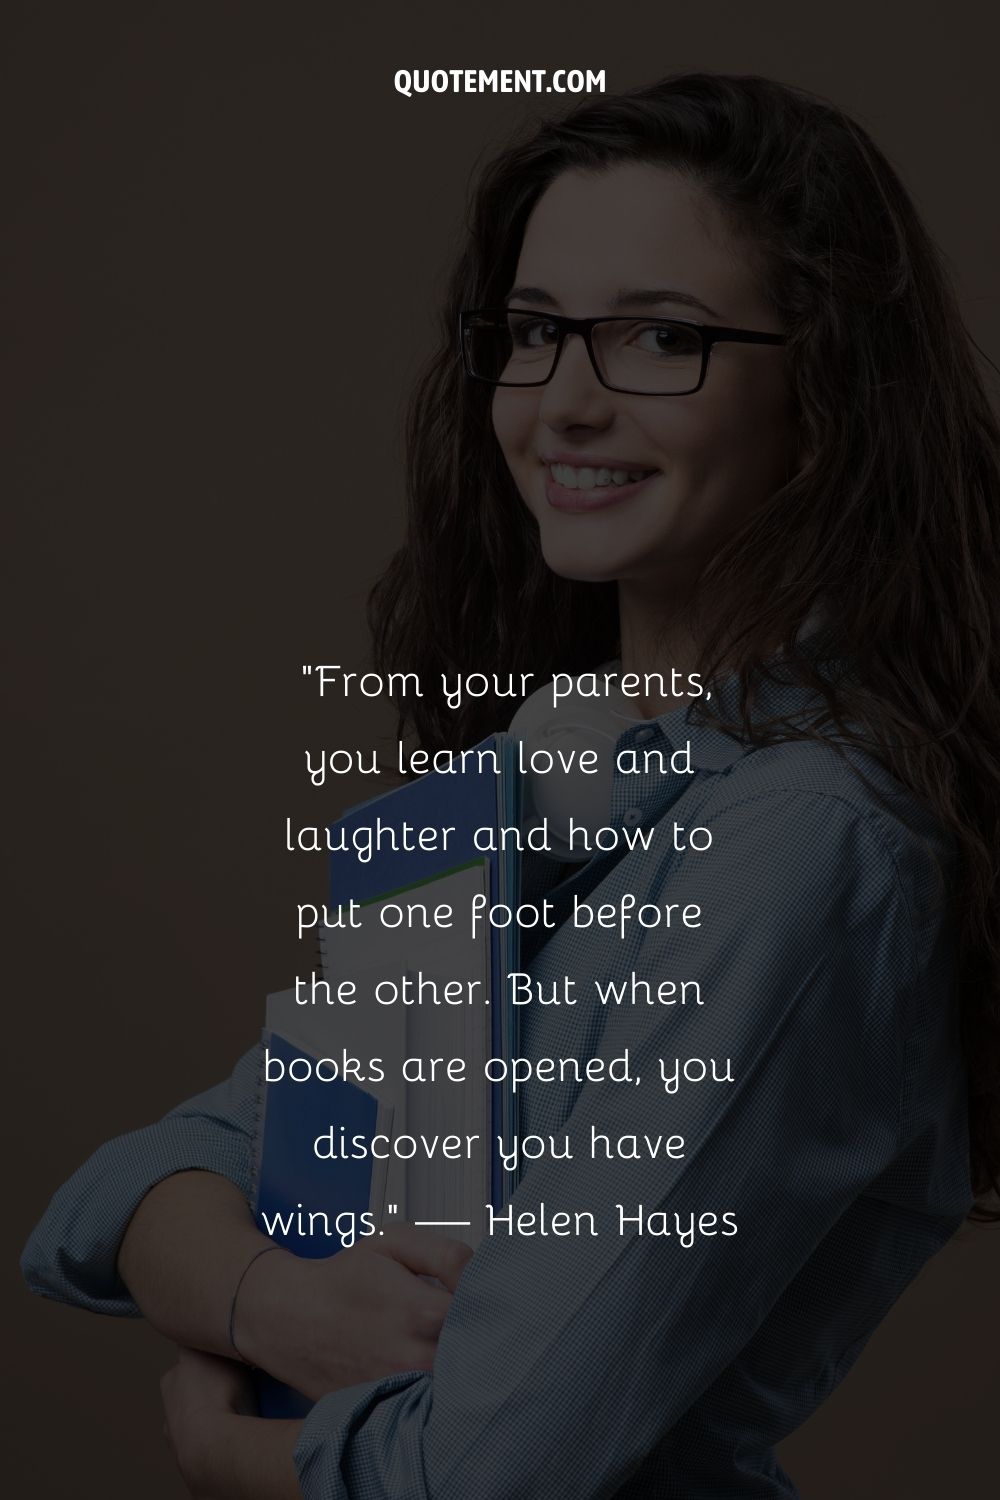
point(564, 1360)
point(72, 1255)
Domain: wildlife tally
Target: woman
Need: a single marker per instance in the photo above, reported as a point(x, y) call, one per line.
point(716, 416)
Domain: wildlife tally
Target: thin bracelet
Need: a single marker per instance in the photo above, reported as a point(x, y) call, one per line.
point(232, 1306)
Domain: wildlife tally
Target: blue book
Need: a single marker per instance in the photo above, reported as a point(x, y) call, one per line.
point(420, 992)
point(294, 1206)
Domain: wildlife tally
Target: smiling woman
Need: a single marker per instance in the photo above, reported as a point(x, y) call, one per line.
point(633, 483)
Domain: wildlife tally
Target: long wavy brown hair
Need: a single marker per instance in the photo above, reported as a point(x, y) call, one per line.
point(891, 521)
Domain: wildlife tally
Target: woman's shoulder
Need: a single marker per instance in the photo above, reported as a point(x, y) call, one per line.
point(836, 773)
point(835, 810)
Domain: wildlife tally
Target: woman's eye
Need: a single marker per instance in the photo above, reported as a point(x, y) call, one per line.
point(666, 339)
point(532, 333)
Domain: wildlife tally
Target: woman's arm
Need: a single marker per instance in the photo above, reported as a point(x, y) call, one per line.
point(317, 1325)
point(183, 1253)
point(158, 1222)
point(72, 1254)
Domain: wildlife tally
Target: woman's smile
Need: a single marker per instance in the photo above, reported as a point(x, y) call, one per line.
point(588, 482)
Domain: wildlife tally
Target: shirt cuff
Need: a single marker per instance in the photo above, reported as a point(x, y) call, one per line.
point(72, 1255)
point(327, 1465)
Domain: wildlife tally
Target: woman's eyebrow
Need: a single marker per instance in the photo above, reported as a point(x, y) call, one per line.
point(652, 297)
point(627, 297)
point(532, 294)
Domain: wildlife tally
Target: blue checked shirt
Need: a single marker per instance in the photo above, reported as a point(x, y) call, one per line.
point(637, 1364)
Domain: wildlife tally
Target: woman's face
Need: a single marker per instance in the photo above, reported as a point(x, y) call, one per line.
point(642, 240)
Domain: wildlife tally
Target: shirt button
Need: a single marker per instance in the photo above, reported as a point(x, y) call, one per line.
point(643, 735)
point(632, 817)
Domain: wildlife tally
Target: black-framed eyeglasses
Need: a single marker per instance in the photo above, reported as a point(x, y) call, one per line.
point(636, 356)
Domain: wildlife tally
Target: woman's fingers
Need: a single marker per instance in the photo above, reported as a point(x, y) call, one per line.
point(425, 1253)
point(431, 1305)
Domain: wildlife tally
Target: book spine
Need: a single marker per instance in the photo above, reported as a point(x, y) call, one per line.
point(260, 1110)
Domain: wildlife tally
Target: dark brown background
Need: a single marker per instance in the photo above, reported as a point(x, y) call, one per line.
point(224, 234)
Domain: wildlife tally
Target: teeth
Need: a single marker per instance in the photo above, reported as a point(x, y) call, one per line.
point(587, 478)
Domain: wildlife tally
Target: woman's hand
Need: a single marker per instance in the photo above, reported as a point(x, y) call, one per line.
point(223, 1449)
point(364, 1313)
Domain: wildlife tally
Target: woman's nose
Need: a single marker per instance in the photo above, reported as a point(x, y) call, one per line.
point(574, 397)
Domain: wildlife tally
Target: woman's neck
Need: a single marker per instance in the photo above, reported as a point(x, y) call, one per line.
point(657, 638)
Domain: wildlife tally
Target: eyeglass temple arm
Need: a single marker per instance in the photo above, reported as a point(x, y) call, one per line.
point(713, 335)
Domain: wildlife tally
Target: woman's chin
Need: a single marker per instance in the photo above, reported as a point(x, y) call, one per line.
point(606, 545)
point(602, 557)
point(581, 565)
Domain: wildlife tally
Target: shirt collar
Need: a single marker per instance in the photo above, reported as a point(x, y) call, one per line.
point(778, 695)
